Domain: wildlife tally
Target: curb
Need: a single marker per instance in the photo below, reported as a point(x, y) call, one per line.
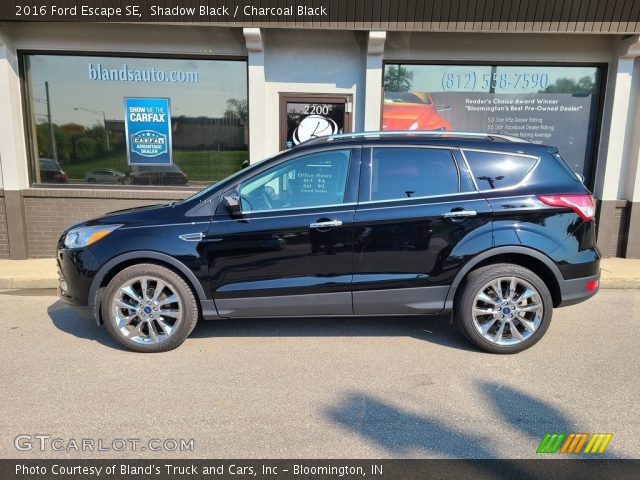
point(619, 283)
point(28, 283)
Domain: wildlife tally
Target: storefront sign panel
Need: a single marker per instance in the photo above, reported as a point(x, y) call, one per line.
point(148, 131)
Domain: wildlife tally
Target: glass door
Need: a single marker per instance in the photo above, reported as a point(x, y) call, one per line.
point(306, 116)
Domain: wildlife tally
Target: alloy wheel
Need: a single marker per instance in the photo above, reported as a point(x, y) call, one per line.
point(507, 311)
point(147, 310)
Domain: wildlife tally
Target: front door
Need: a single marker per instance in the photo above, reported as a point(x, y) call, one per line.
point(290, 252)
point(303, 117)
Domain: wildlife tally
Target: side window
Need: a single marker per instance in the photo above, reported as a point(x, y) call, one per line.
point(498, 170)
point(400, 172)
point(309, 181)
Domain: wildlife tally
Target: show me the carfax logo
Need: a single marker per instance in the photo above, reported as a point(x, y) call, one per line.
point(573, 443)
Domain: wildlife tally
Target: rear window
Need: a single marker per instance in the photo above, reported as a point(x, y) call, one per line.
point(498, 170)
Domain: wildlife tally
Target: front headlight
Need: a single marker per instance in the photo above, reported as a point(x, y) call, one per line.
point(83, 236)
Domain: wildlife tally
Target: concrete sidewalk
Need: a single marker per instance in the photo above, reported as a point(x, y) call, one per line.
point(41, 273)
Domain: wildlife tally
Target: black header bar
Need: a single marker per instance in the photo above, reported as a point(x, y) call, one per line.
point(539, 15)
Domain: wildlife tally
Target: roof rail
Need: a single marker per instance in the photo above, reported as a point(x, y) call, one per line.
point(431, 133)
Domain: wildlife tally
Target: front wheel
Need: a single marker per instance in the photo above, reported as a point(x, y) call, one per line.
point(149, 308)
point(503, 308)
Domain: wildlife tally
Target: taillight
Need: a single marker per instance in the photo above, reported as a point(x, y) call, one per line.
point(591, 285)
point(582, 204)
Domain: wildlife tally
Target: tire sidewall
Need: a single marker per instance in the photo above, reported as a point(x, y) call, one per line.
point(478, 279)
point(182, 290)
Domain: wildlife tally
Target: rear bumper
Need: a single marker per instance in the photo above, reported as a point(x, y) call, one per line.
point(578, 289)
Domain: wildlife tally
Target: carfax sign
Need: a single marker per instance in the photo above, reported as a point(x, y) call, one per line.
point(148, 131)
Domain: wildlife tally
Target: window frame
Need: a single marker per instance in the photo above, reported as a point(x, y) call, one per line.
point(366, 181)
point(600, 93)
point(26, 113)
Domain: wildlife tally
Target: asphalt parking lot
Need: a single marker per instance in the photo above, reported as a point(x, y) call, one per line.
point(317, 388)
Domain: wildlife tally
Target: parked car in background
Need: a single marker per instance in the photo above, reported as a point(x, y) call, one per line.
point(488, 227)
point(105, 175)
point(51, 172)
point(412, 111)
point(157, 175)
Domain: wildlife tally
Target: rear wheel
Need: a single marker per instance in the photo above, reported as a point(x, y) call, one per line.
point(503, 308)
point(149, 308)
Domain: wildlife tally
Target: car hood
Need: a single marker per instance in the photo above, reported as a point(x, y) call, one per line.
point(146, 215)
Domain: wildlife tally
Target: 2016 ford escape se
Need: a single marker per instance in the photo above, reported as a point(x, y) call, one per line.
point(494, 229)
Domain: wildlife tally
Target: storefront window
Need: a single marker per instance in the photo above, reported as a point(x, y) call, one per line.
point(78, 126)
point(543, 104)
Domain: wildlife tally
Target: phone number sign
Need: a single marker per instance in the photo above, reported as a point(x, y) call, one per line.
point(148, 131)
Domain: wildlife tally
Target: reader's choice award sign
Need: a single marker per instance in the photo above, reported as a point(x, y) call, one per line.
point(148, 131)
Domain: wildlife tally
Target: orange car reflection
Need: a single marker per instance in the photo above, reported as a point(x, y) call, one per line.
point(412, 111)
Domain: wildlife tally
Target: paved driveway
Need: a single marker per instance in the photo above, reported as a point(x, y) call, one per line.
point(309, 388)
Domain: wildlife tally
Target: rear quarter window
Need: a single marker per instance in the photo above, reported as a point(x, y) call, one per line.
point(493, 170)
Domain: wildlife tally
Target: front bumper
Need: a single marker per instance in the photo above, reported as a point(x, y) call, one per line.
point(76, 270)
point(578, 289)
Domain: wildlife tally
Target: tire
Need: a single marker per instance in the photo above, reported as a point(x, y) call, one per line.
point(480, 312)
point(153, 321)
point(91, 180)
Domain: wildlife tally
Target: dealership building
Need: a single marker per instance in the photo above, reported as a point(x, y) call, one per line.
point(236, 94)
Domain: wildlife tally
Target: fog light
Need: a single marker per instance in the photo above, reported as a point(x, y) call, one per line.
point(592, 285)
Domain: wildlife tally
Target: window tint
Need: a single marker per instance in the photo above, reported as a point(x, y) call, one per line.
point(412, 172)
point(498, 170)
point(308, 181)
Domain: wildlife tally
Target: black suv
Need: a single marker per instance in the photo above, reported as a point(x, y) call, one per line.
point(494, 229)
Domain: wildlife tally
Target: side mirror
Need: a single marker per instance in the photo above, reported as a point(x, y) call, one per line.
point(443, 108)
point(232, 204)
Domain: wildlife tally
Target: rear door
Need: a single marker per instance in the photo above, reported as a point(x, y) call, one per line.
point(419, 218)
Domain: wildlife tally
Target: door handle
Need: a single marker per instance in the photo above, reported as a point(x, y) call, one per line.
point(192, 237)
point(460, 213)
point(326, 224)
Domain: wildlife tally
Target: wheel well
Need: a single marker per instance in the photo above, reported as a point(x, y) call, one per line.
point(536, 266)
point(113, 271)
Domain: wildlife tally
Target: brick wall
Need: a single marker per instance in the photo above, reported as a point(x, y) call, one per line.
point(620, 228)
point(4, 238)
point(613, 227)
point(49, 211)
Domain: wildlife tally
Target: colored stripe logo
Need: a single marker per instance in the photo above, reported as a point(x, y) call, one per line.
point(574, 443)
